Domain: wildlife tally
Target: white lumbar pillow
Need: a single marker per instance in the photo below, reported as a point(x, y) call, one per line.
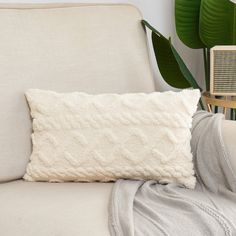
point(82, 137)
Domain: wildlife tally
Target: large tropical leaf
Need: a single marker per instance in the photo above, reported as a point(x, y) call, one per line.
point(171, 65)
point(218, 22)
point(184, 69)
point(187, 22)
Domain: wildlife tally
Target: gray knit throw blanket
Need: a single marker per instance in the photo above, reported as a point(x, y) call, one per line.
point(139, 208)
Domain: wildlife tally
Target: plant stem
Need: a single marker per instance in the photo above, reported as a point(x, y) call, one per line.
point(206, 68)
point(201, 104)
point(206, 56)
point(231, 114)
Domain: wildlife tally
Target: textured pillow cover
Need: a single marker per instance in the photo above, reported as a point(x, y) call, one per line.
point(82, 137)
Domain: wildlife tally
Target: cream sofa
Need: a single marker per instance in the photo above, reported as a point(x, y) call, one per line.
point(70, 47)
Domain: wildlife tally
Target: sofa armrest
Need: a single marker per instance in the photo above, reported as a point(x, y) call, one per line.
point(229, 139)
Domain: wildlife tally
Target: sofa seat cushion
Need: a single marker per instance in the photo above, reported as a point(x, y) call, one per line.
point(54, 209)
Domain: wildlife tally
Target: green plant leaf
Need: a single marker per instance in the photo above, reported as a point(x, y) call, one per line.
point(187, 22)
point(184, 70)
point(170, 64)
point(218, 22)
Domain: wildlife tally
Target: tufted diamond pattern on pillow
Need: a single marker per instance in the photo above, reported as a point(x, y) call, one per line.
point(82, 137)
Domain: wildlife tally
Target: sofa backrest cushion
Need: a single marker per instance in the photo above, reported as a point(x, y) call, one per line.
point(65, 48)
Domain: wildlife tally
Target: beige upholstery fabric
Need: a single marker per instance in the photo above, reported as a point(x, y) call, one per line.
point(95, 49)
point(64, 50)
point(229, 139)
point(46, 209)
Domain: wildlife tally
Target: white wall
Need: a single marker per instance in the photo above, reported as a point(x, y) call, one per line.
point(159, 13)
